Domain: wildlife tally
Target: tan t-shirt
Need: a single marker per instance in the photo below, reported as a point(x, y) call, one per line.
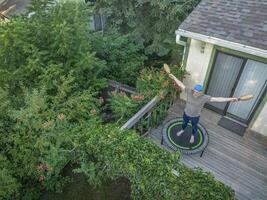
point(194, 104)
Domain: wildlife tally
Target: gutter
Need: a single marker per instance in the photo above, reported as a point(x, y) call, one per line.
point(223, 43)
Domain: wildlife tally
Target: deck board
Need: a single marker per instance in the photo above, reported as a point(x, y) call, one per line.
point(239, 162)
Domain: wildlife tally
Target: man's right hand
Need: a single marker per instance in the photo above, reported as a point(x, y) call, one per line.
point(179, 83)
point(172, 76)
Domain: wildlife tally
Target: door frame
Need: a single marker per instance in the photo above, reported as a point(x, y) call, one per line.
point(245, 58)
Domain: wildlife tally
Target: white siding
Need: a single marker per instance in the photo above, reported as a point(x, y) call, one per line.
point(260, 125)
point(197, 66)
point(197, 63)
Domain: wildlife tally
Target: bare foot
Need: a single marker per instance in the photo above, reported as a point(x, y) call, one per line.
point(192, 139)
point(180, 133)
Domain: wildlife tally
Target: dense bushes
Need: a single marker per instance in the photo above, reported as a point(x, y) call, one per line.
point(150, 82)
point(40, 132)
point(112, 153)
point(50, 82)
point(44, 50)
point(124, 58)
point(151, 24)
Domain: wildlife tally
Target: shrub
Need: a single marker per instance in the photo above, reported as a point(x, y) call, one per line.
point(49, 114)
point(52, 44)
point(124, 58)
point(112, 153)
point(151, 82)
point(151, 24)
point(9, 187)
point(123, 106)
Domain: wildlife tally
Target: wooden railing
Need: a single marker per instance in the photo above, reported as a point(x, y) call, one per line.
point(152, 114)
point(118, 87)
point(3, 17)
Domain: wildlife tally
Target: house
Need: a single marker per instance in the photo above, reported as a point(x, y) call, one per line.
point(98, 20)
point(9, 8)
point(225, 46)
point(13, 7)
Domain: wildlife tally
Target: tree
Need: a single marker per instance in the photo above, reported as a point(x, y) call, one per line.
point(50, 84)
point(124, 58)
point(151, 24)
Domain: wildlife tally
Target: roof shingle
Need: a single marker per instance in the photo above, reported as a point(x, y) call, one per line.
point(240, 21)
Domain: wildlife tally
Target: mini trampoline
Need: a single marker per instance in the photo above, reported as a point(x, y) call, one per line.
point(181, 143)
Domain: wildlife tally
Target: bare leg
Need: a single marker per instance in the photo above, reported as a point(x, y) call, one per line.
point(194, 129)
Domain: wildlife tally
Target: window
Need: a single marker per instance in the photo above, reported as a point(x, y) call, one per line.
point(98, 22)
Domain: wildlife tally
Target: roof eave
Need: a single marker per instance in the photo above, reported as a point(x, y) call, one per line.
point(223, 43)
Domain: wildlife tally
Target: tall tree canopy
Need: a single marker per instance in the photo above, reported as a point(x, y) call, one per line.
point(149, 23)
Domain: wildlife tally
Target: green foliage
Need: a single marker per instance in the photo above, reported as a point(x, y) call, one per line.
point(42, 134)
point(112, 153)
point(150, 82)
point(8, 184)
point(151, 24)
point(50, 84)
point(123, 107)
point(52, 43)
point(49, 111)
point(124, 58)
point(4, 109)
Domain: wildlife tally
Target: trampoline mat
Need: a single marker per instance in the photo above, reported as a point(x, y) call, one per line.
point(182, 143)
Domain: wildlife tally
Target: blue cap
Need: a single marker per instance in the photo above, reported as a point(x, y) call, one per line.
point(198, 88)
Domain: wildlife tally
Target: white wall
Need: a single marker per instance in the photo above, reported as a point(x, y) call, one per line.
point(260, 125)
point(197, 63)
point(197, 66)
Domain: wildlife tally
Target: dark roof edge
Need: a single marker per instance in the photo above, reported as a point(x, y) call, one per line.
point(223, 43)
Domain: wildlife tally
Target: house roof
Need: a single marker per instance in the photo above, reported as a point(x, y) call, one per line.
point(13, 7)
point(238, 21)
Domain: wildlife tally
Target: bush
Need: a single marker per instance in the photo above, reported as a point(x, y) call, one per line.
point(49, 114)
point(40, 143)
point(124, 58)
point(150, 82)
point(53, 43)
point(50, 84)
point(151, 24)
point(112, 153)
point(8, 184)
point(123, 107)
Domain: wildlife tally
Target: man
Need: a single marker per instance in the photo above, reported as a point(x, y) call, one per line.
point(194, 104)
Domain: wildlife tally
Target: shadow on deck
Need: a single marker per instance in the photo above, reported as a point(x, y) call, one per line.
point(239, 162)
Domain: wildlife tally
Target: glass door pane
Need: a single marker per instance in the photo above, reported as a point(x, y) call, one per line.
point(252, 81)
point(223, 77)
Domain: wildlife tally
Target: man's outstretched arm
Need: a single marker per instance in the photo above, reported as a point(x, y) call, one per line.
point(222, 99)
point(178, 82)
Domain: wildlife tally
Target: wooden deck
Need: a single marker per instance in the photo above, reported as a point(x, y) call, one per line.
point(239, 162)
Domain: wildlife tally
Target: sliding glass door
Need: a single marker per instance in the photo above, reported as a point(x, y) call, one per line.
point(252, 81)
point(236, 76)
point(224, 74)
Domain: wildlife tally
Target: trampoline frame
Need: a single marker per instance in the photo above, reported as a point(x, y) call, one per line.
point(164, 138)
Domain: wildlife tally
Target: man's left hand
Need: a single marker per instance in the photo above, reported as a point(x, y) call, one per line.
point(234, 100)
